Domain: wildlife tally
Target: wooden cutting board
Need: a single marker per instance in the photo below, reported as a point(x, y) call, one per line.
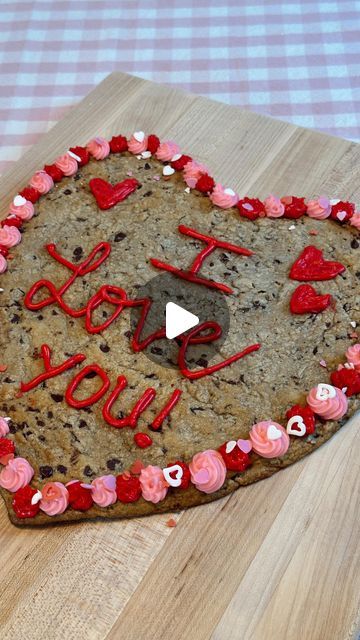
point(276, 560)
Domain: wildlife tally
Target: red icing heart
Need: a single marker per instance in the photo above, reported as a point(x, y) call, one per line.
point(306, 300)
point(311, 265)
point(107, 195)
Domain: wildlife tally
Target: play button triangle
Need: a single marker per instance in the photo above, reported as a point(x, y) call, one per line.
point(178, 320)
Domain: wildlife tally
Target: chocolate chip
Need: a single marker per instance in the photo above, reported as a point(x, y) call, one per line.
point(111, 464)
point(46, 471)
point(157, 351)
point(88, 471)
point(90, 375)
point(202, 362)
point(15, 319)
point(119, 236)
point(67, 192)
point(147, 194)
point(61, 469)
point(147, 166)
point(355, 244)
point(83, 424)
point(57, 397)
point(104, 348)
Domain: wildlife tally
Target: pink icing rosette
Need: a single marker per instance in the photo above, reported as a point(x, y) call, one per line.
point(21, 208)
point(16, 475)
point(192, 172)
point(353, 356)
point(327, 401)
point(3, 264)
point(223, 197)
point(274, 208)
point(9, 236)
point(55, 498)
point(99, 148)
point(138, 142)
point(208, 471)
point(153, 484)
point(355, 220)
point(67, 164)
point(104, 490)
point(42, 182)
point(167, 150)
point(320, 208)
point(4, 427)
point(269, 439)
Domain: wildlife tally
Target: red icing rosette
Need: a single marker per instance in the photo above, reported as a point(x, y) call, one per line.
point(21, 503)
point(80, 497)
point(306, 414)
point(128, 488)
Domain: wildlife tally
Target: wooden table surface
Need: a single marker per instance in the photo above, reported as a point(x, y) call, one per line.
point(275, 560)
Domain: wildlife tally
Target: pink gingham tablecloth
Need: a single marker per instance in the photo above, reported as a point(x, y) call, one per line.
point(295, 60)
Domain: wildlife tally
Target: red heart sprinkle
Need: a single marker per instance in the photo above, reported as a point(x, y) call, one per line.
point(311, 265)
point(306, 300)
point(107, 195)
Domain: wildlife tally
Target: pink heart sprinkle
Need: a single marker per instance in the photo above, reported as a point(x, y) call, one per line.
point(244, 445)
point(109, 483)
point(201, 476)
point(341, 215)
point(248, 206)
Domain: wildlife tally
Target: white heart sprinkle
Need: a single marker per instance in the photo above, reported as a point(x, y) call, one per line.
point(292, 227)
point(1, 290)
point(334, 201)
point(139, 136)
point(273, 433)
point(168, 170)
point(344, 389)
point(341, 215)
point(299, 422)
point(353, 323)
point(349, 365)
point(229, 192)
point(19, 201)
point(73, 155)
point(139, 157)
point(325, 391)
point(173, 482)
point(36, 497)
point(146, 154)
point(230, 446)
point(177, 156)
point(187, 190)
point(7, 419)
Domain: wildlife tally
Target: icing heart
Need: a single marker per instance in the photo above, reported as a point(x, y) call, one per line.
point(108, 195)
point(299, 429)
point(311, 265)
point(273, 433)
point(244, 445)
point(179, 472)
point(306, 300)
point(325, 391)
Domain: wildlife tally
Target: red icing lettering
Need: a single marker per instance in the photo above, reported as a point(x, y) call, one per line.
point(157, 422)
point(50, 370)
point(94, 397)
point(132, 419)
point(211, 245)
point(189, 338)
point(91, 263)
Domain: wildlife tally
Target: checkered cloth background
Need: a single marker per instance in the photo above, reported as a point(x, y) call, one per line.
point(295, 60)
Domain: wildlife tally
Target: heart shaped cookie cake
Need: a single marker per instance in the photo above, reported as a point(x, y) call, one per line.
point(102, 414)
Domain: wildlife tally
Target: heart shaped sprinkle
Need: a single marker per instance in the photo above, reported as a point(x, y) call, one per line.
point(168, 170)
point(146, 154)
point(19, 201)
point(73, 155)
point(177, 156)
point(296, 426)
point(341, 215)
point(273, 433)
point(244, 445)
point(139, 136)
point(229, 192)
point(201, 476)
point(179, 472)
point(36, 497)
point(325, 391)
point(230, 446)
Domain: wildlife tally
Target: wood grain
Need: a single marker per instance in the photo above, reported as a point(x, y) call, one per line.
point(278, 559)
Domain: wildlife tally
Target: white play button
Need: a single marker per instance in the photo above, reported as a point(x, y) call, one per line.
point(178, 320)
